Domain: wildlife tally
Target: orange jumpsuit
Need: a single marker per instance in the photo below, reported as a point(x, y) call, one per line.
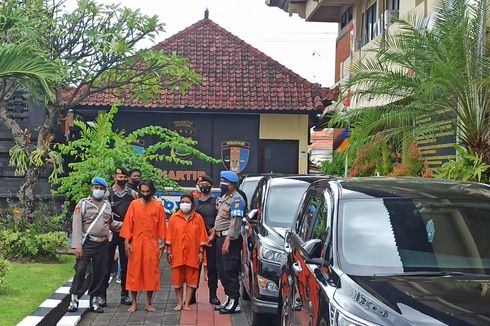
point(143, 225)
point(185, 238)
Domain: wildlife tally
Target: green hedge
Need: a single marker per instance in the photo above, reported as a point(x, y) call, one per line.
point(4, 268)
point(30, 245)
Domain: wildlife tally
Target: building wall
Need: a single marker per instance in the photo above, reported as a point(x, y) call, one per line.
point(287, 127)
point(342, 54)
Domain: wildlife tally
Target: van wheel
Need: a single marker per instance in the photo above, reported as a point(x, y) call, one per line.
point(260, 319)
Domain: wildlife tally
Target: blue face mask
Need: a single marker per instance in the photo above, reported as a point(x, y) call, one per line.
point(224, 188)
point(97, 193)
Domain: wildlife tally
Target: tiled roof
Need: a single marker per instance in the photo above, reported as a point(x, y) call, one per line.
point(236, 76)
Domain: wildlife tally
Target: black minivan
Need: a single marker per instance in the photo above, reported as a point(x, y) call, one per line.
point(388, 251)
point(273, 207)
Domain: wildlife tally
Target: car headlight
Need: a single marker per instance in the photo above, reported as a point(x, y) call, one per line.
point(340, 318)
point(272, 255)
point(266, 284)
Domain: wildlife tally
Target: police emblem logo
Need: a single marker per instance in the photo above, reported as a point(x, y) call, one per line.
point(235, 154)
point(187, 129)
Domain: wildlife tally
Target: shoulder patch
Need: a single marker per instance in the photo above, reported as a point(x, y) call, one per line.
point(77, 209)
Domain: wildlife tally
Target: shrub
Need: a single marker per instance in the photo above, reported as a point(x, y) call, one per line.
point(29, 245)
point(469, 167)
point(4, 268)
point(336, 166)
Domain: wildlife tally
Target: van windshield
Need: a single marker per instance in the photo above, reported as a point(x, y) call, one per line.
point(379, 236)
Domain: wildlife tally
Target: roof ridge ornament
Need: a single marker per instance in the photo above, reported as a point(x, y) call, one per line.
point(206, 13)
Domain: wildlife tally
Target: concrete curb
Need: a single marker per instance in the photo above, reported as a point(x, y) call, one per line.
point(51, 309)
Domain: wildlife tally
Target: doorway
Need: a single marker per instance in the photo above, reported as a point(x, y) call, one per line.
point(279, 156)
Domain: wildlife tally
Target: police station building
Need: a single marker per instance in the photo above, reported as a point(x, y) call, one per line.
point(250, 111)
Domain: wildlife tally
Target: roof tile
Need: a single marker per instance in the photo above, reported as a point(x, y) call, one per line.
point(235, 76)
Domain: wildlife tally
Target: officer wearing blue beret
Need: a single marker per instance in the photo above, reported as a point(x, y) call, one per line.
point(231, 209)
point(92, 222)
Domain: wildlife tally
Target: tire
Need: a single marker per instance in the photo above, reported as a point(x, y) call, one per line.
point(261, 319)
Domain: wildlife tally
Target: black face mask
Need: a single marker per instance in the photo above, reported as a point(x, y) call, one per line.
point(147, 197)
point(205, 190)
point(121, 183)
point(136, 182)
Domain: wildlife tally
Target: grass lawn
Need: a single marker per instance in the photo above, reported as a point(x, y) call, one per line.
point(27, 285)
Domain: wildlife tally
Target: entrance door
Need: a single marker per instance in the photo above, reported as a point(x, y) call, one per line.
point(279, 156)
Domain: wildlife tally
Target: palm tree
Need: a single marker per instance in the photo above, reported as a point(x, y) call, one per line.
point(427, 66)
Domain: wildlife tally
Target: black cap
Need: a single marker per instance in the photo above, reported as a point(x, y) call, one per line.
point(121, 170)
point(205, 178)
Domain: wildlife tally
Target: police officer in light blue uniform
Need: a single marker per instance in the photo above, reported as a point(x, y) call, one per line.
point(231, 209)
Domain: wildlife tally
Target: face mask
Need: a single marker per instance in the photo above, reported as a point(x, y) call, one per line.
point(186, 207)
point(136, 182)
point(121, 183)
point(205, 190)
point(224, 188)
point(97, 193)
point(147, 197)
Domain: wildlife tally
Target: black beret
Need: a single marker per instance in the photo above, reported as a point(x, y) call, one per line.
point(205, 178)
point(121, 170)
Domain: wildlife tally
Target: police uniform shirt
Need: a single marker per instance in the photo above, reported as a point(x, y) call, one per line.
point(83, 219)
point(231, 209)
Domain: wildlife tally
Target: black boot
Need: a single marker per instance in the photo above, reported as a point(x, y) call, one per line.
point(126, 300)
point(221, 306)
point(73, 307)
point(213, 299)
point(232, 308)
point(95, 306)
point(103, 301)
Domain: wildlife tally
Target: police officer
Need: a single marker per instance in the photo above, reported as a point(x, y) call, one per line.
point(231, 209)
point(206, 206)
point(134, 179)
point(92, 222)
point(119, 197)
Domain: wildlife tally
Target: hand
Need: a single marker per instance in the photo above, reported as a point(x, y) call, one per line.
point(78, 252)
point(128, 249)
point(170, 258)
point(160, 250)
point(200, 257)
point(226, 246)
point(211, 237)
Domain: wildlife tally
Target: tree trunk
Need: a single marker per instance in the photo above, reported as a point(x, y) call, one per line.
point(26, 191)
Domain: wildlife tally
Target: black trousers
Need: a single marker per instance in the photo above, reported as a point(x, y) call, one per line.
point(212, 269)
point(229, 266)
point(95, 252)
point(117, 242)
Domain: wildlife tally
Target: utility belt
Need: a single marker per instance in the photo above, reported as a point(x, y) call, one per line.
point(97, 239)
point(223, 233)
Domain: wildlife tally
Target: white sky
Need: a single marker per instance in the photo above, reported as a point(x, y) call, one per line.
point(304, 47)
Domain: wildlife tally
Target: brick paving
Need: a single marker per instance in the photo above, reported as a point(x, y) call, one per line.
point(164, 302)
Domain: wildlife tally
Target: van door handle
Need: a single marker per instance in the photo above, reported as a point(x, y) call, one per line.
point(297, 267)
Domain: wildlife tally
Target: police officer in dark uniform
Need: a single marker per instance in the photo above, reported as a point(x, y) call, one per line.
point(92, 222)
point(119, 197)
point(206, 206)
point(231, 209)
point(134, 179)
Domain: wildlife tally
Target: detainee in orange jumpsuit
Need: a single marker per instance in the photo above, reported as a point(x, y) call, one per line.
point(186, 240)
point(143, 226)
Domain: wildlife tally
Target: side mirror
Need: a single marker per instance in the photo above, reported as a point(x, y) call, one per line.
point(312, 249)
point(252, 216)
